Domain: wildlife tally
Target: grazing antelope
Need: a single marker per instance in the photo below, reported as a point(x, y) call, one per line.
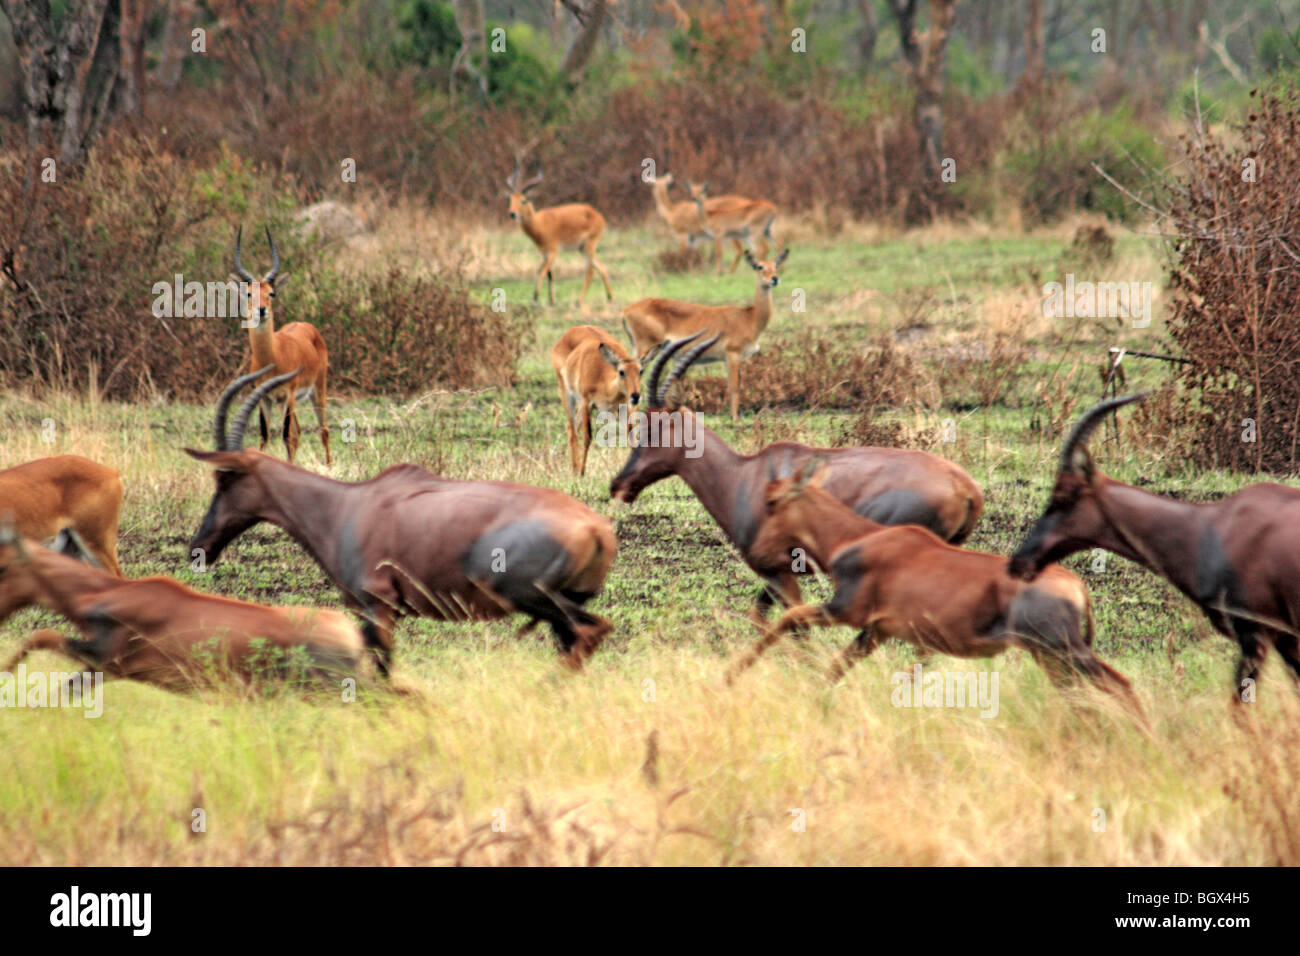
point(408, 542)
point(592, 369)
point(654, 322)
point(888, 485)
point(298, 345)
point(733, 217)
point(1237, 559)
point(571, 226)
point(157, 630)
point(50, 495)
point(906, 583)
point(685, 218)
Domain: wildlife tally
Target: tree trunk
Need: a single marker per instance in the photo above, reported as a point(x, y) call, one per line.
point(584, 44)
point(471, 58)
point(69, 72)
point(175, 43)
point(924, 54)
point(135, 20)
point(869, 33)
point(1032, 78)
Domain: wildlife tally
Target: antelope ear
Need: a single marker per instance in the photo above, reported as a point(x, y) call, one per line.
point(753, 263)
point(1082, 465)
point(69, 543)
point(280, 280)
point(817, 470)
point(781, 258)
point(220, 460)
point(609, 355)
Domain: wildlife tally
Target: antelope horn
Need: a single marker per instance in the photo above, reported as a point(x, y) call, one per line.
point(1086, 425)
point(236, 441)
point(513, 178)
point(239, 263)
point(665, 353)
point(275, 259)
point(683, 363)
point(223, 403)
point(532, 182)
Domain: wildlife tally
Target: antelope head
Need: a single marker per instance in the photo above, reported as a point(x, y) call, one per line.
point(767, 271)
point(18, 588)
point(241, 498)
point(520, 204)
point(785, 507)
point(628, 380)
point(1075, 517)
point(661, 443)
point(260, 291)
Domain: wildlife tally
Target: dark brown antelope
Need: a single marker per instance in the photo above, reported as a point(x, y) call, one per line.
point(159, 631)
point(906, 583)
point(888, 485)
point(51, 495)
point(1237, 559)
point(298, 345)
point(408, 542)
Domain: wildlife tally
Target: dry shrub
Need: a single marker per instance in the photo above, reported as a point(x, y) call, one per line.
point(1236, 276)
point(866, 430)
point(819, 372)
point(985, 373)
point(398, 334)
point(81, 259)
point(677, 260)
point(1091, 246)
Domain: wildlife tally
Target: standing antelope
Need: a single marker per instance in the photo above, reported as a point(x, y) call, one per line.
point(653, 322)
point(685, 218)
point(298, 345)
point(157, 630)
point(906, 583)
point(1237, 559)
point(571, 226)
point(888, 485)
point(408, 542)
point(592, 369)
point(50, 495)
point(733, 217)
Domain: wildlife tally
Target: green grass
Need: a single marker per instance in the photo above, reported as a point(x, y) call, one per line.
point(496, 732)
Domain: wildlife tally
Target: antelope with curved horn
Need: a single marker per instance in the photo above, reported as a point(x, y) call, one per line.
point(1237, 559)
point(906, 583)
point(408, 542)
point(296, 345)
point(733, 217)
point(685, 218)
point(570, 226)
point(157, 630)
point(888, 485)
point(651, 323)
point(593, 370)
point(51, 495)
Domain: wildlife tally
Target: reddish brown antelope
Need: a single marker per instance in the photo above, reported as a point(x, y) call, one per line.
point(652, 323)
point(592, 370)
point(298, 345)
point(889, 485)
point(51, 495)
point(1237, 559)
point(573, 225)
point(906, 583)
point(733, 217)
point(158, 630)
point(408, 542)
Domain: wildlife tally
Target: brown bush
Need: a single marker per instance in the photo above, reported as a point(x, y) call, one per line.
point(984, 374)
point(820, 372)
point(81, 258)
point(1236, 276)
point(677, 260)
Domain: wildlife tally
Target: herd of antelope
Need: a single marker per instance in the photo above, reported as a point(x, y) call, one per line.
point(885, 524)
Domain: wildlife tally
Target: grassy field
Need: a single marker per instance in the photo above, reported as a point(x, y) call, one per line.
point(647, 757)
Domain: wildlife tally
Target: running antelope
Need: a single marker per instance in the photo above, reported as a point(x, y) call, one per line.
point(571, 226)
point(888, 485)
point(298, 345)
point(592, 369)
point(1237, 559)
point(906, 583)
point(737, 218)
point(157, 630)
point(654, 322)
point(50, 495)
point(686, 218)
point(408, 542)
